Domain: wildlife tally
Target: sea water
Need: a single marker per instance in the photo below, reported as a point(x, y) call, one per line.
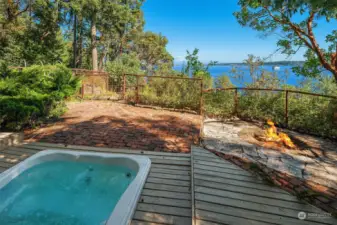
point(284, 73)
point(64, 193)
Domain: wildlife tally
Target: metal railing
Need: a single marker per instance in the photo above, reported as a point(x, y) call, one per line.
point(236, 96)
point(286, 98)
point(138, 85)
point(93, 73)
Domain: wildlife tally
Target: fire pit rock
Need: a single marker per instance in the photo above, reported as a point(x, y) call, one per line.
point(314, 160)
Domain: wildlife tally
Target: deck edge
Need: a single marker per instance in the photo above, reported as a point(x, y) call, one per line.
point(192, 187)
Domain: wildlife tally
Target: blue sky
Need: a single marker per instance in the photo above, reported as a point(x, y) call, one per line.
point(211, 27)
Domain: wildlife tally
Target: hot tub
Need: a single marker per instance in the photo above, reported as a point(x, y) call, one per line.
point(72, 188)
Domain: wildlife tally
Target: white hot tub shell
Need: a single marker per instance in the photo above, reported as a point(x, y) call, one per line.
point(125, 207)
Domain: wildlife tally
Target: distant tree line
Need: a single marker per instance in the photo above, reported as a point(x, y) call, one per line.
point(79, 33)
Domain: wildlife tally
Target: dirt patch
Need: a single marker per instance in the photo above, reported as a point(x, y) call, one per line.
point(117, 125)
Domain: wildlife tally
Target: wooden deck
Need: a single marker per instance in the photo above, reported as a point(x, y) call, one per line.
point(217, 193)
point(166, 197)
point(226, 194)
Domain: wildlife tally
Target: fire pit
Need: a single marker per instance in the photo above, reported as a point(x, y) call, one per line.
point(289, 157)
point(268, 136)
point(271, 136)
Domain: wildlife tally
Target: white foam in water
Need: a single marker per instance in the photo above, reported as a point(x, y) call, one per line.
point(63, 192)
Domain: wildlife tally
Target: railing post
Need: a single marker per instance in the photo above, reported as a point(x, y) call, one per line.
point(236, 100)
point(201, 96)
point(286, 108)
point(124, 83)
point(107, 83)
point(137, 89)
point(202, 111)
point(82, 91)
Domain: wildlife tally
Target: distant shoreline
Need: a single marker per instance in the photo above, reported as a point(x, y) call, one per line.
point(276, 63)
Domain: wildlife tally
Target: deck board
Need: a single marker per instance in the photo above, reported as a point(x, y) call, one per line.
point(44, 145)
point(137, 222)
point(161, 218)
point(166, 196)
point(226, 194)
point(223, 181)
point(221, 193)
point(185, 183)
point(221, 170)
point(253, 215)
point(243, 190)
point(166, 187)
point(166, 201)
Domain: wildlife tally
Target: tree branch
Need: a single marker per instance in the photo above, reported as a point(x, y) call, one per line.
point(332, 67)
point(308, 38)
point(314, 43)
point(11, 8)
point(335, 57)
point(299, 32)
point(22, 11)
point(44, 35)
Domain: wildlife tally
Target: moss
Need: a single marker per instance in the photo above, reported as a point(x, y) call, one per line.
point(307, 195)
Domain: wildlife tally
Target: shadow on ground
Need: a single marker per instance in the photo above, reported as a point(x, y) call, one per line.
point(164, 133)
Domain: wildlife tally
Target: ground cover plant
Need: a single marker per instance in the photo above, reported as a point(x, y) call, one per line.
point(33, 94)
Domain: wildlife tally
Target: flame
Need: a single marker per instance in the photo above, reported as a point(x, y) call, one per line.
point(271, 134)
point(286, 140)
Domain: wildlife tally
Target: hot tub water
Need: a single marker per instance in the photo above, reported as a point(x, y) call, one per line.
point(64, 192)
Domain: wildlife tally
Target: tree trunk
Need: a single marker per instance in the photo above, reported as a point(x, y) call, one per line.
point(80, 45)
point(93, 44)
point(149, 69)
point(101, 60)
point(75, 42)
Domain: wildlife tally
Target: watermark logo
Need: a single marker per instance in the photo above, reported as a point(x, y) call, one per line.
point(302, 215)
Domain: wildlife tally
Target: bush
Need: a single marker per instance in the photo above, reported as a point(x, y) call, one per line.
point(170, 93)
point(124, 64)
point(313, 114)
point(310, 114)
point(34, 94)
point(262, 105)
point(219, 103)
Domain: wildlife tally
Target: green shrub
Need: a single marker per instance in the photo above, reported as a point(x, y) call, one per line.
point(171, 93)
point(34, 94)
point(306, 113)
point(310, 114)
point(219, 103)
point(262, 105)
point(313, 114)
point(124, 64)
